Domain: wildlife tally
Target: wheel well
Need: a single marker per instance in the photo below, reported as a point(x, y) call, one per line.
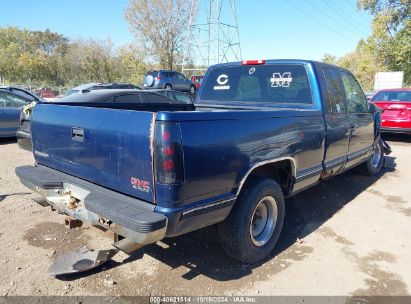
point(281, 172)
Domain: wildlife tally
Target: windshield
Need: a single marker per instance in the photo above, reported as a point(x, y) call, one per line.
point(393, 96)
point(69, 92)
point(270, 83)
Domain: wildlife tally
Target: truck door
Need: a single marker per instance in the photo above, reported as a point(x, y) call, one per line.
point(10, 106)
point(337, 122)
point(361, 121)
point(180, 82)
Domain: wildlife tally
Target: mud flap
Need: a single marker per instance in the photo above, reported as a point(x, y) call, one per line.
point(80, 260)
point(386, 147)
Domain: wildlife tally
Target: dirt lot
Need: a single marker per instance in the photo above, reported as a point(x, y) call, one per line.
point(349, 236)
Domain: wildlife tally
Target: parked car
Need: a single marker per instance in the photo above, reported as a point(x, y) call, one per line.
point(177, 96)
point(169, 80)
point(259, 132)
point(396, 106)
point(369, 95)
point(10, 107)
point(47, 93)
point(196, 79)
point(118, 96)
point(22, 92)
point(84, 88)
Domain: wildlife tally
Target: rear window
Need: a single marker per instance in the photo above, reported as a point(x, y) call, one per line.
point(272, 83)
point(152, 73)
point(393, 96)
point(167, 74)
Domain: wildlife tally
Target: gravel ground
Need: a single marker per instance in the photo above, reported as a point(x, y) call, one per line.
point(348, 236)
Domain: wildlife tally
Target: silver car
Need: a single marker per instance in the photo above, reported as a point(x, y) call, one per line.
point(169, 80)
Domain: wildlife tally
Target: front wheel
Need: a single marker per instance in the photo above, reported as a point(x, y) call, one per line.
point(251, 231)
point(374, 165)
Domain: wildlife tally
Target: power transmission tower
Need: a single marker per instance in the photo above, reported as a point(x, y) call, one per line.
point(213, 35)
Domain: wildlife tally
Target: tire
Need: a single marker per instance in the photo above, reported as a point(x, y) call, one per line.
point(192, 89)
point(374, 165)
point(168, 87)
point(244, 241)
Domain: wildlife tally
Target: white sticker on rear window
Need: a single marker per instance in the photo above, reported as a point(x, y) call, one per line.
point(279, 80)
point(222, 81)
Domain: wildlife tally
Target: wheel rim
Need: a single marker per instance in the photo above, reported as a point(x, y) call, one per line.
point(192, 90)
point(263, 221)
point(376, 157)
point(168, 87)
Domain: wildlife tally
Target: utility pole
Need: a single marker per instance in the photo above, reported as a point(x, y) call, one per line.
point(213, 35)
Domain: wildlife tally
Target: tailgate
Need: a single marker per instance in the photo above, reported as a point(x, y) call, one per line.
point(108, 147)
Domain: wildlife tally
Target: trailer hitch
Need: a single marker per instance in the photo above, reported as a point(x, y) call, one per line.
point(84, 259)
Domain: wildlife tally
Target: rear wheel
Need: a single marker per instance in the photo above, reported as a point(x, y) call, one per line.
point(168, 87)
point(192, 89)
point(251, 231)
point(374, 165)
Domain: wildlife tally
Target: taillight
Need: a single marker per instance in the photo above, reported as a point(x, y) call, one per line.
point(253, 62)
point(168, 153)
point(158, 78)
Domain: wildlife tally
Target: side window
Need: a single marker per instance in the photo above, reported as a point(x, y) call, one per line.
point(180, 76)
point(132, 98)
point(11, 101)
point(155, 98)
point(23, 94)
point(335, 90)
point(181, 97)
point(3, 100)
point(356, 100)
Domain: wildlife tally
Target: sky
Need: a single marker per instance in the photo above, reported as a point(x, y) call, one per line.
point(269, 29)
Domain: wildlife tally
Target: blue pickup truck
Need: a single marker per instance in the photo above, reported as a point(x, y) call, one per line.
point(258, 132)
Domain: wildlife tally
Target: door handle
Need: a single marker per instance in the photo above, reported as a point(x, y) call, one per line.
point(77, 134)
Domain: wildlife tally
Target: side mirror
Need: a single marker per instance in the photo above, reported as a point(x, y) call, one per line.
point(372, 108)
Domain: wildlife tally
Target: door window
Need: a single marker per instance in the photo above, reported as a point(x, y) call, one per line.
point(180, 77)
point(11, 101)
point(132, 98)
point(154, 98)
point(335, 91)
point(181, 97)
point(356, 100)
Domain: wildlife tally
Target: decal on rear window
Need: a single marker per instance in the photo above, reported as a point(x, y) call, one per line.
point(279, 80)
point(222, 81)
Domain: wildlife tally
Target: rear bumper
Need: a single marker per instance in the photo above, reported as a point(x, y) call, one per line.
point(24, 140)
point(395, 130)
point(96, 205)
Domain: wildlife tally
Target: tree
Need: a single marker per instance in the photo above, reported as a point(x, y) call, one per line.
point(159, 26)
point(44, 58)
point(388, 48)
point(131, 64)
point(391, 33)
point(398, 11)
point(330, 59)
